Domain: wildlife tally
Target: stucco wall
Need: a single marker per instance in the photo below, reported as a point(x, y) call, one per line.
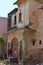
point(25, 15)
point(33, 11)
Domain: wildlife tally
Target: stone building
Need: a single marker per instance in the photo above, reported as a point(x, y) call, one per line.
point(16, 24)
point(26, 24)
point(35, 36)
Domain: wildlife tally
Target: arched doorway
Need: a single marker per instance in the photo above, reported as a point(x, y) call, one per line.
point(14, 42)
point(14, 45)
point(18, 46)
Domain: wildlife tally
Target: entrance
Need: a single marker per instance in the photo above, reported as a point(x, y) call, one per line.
point(17, 49)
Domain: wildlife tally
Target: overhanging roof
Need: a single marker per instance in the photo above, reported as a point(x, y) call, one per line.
point(15, 2)
point(19, 2)
point(13, 11)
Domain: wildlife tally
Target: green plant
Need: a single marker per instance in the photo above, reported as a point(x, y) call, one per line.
point(5, 62)
point(1, 38)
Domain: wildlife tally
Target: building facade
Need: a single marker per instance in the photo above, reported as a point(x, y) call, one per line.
point(34, 36)
point(19, 20)
point(26, 24)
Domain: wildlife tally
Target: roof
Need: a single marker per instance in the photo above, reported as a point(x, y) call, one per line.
point(19, 2)
point(13, 11)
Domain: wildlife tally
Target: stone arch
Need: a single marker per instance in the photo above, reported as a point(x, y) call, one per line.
point(14, 42)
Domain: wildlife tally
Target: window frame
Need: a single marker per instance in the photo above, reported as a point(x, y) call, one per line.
point(40, 42)
point(33, 42)
point(20, 17)
point(15, 19)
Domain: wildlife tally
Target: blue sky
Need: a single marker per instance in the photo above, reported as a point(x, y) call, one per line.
point(6, 6)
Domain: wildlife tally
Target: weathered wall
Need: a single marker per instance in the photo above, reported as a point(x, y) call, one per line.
point(25, 15)
point(36, 17)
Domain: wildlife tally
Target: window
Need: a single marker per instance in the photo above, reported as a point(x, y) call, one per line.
point(40, 42)
point(15, 19)
point(20, 14)
point(33, 42)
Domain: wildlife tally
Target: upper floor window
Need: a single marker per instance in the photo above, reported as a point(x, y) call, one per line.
point(20, 16)
point(15, 19)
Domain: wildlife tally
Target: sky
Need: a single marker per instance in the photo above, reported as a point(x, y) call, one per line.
point(6, 6)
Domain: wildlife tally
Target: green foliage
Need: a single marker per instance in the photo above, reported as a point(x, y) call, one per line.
point(1, 38)
point(5, 62)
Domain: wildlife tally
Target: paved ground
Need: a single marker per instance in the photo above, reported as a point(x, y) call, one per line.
point(30, 63)
point(1, 63)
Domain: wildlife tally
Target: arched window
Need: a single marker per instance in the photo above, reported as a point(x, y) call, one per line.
point(15, 19)
point(20, 17)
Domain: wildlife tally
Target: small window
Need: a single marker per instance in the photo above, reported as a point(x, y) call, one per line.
point(20, 15)
point(33, 42)
point(15, 19)
point(33, 13)
point(40, 42)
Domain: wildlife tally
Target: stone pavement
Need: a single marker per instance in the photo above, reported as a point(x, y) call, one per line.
point(1, 63)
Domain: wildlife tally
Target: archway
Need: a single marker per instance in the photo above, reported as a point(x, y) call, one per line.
point(14, 42)
point(17, 44)
point(14, 46)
